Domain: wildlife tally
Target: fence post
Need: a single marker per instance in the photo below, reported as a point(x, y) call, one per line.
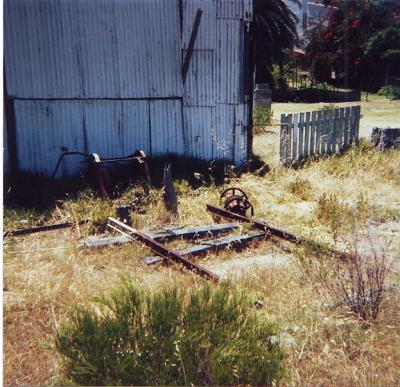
point(318, 133)
point(301, 136)
point(313, 130)
point(353, 117)
point(342, 123)
point(347, 127)
point(330, 129)
point(307, 135)
point(284, 140)
point(325, 131)
point(336, 130)
point(358, 116)
point(295, 139)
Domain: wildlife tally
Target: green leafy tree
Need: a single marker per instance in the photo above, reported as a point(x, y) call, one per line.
point(273, 32)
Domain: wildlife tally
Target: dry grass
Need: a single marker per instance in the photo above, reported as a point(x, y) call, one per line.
point(329, 347)
point(45, 273)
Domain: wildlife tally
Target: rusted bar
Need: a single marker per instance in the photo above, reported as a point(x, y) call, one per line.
point(256, 223)
point(43, 228)
point(192, 41)
point(274, 231)
point(159, 249)
point(116, 160)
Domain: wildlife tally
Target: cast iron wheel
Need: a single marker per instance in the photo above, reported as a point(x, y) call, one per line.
point(233, 191)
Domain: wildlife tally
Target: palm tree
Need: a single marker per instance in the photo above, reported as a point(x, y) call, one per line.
point(273, 32)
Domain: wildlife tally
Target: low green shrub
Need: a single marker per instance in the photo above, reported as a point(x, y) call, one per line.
point(329, 106)
point(210, 335)
point(262, 117)
point(391, 91)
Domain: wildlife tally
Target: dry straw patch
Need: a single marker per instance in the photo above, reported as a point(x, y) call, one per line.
point(325, 346)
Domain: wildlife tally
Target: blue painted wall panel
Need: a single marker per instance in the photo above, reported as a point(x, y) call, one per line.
point(93, 48)
point(199, 127)
point(200, 83)
point(167, 133)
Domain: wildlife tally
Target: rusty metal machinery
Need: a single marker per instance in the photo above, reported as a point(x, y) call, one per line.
point(237, 201)
point(99, 175)
point(98, 172)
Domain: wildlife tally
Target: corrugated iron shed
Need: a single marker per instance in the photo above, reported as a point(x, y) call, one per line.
point(105, 76)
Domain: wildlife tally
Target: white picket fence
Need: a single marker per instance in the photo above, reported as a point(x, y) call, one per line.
point(318, 132)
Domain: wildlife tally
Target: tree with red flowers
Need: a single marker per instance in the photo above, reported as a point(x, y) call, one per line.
point(360, 41)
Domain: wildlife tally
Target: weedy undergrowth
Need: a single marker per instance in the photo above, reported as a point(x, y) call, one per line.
point(209, 335)
point(334, 213)
point(301, 188)
point(356, 280)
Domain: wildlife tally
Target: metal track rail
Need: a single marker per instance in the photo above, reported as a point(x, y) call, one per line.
point(43, 228)
point(275, 231)
point(255, 223)
point(159, 249)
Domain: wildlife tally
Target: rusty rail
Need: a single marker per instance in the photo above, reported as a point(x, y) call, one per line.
point(274, 231)
point(159, 249)
point(256, 223)
point(43, 228)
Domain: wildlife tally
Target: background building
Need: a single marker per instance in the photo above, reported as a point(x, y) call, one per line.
point(105, 76)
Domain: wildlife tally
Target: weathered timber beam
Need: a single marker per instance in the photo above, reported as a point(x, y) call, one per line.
point(159, 249)
point(167, 234)
point(212, 245)
point(93, 242)
point(43, 228)
point(274, 231)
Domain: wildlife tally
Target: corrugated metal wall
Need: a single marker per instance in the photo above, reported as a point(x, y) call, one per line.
point(6, 162)
point(215, 80)
point(104, 76)
point(92, 48)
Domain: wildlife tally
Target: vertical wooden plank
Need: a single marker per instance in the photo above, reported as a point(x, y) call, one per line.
point(331, 136)
point(307, 131)
point(353, 114)
point(325, 131)
point(313, 130)
point(336, 130)
point(347, 127)
point(358, 117)
point(318, 132)
point(301, 136)
point(342, 125)
point(283, 149)
point(295, 137)
point(290, 137)
point(329, 131)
